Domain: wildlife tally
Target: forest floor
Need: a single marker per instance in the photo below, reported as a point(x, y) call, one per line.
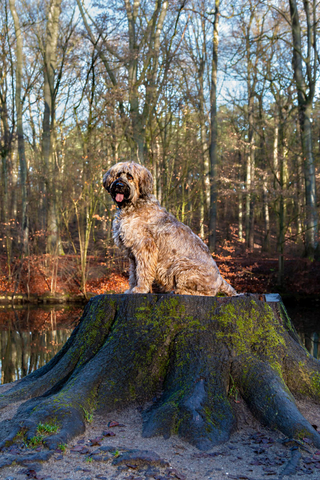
point(112, 448)
point(254, 273)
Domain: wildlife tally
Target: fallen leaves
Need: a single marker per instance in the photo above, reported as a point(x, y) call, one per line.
point(247, 273)
point(108, 433)
point(115, 424)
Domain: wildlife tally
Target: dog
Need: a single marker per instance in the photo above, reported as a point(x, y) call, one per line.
point(159, 247)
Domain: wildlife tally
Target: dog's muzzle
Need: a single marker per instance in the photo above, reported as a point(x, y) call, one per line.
point(120, 191)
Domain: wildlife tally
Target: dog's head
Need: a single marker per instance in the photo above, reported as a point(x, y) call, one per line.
point(127, 182)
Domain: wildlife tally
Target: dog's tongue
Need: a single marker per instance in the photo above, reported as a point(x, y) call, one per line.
point(119, 197)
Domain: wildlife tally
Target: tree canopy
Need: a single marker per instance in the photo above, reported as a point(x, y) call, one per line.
point(219, 101)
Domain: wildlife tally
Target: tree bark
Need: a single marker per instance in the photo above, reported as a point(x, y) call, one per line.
point(213, 148)
point(50, 60)
point(5, 153)
point(250, 172)
point(21, 148)
point(177, 357)
point(305, 92)
point(205, 182)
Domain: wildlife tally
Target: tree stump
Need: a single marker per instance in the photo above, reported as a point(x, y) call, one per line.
point(180, 358)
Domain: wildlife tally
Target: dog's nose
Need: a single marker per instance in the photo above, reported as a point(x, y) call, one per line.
point(119, 183)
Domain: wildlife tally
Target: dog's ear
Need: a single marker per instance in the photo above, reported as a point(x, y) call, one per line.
point(107, 180)
point(145, 182)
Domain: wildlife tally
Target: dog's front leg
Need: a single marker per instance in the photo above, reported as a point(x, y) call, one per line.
point(146, 255)
point(132, 274)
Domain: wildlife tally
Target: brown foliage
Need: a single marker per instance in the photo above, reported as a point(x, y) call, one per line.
point(247, 273)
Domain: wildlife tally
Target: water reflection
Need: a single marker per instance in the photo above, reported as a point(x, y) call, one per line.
point(306, 319)
point(30, 337)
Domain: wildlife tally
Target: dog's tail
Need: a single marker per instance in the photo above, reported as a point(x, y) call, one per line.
point(226, 288)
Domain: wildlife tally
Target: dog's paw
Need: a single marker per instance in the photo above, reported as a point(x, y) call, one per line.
point(140, 290)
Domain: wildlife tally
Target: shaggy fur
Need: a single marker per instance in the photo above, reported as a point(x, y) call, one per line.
point(159, 247)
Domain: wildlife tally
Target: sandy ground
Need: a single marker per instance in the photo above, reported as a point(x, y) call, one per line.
point(252, 453)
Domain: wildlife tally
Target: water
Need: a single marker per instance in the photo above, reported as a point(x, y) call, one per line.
point(30, 337)
point(305, 317)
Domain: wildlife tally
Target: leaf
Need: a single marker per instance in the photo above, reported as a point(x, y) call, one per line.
point(81, 449)
point(115, 424)
point(107, 433)
point(95, 441)
point(131, 465)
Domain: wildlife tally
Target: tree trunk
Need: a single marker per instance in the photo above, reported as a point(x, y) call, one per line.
point(282, 206)
point(305, 93)
point(50, 60)
point(5, 217)
point(266, 214)
point(213, 148)
point(250, 172)
point(5, 150)
point(205, 181)
point(21, 149)
point(178, 357)
point(298, 203)
point(240, 199)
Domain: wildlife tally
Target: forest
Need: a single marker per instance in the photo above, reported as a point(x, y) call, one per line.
point(219, 100)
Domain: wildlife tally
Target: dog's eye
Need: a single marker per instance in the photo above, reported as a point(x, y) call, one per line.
point(129, 176)
point(119, 174)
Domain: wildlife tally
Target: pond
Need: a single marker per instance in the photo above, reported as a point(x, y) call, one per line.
point(31, 336)
point(305, 317)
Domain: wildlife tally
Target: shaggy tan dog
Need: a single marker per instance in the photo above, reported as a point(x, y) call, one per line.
point(159, 247)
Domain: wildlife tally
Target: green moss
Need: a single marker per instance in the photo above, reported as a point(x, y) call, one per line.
point(89, 406)
point(207, 412)
point(309, 383)
point(171, 307)
point(132, 392)
point(177, 421)
point(252, 332)
point(285, 317)
point(98, 324)
point(150, 360)
point(301, 434)
point(315, 383)
point(20, 437)
point(144, 313)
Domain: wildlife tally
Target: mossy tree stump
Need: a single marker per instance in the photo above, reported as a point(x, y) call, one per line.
point(177, 357)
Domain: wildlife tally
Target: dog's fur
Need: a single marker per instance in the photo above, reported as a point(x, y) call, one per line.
point(159, 247)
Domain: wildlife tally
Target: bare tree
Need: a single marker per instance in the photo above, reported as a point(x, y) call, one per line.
point(305, 69)
point(145, 26)
point(50, 63)
point(213, 131)
point(20, 134)
point(7, 126)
